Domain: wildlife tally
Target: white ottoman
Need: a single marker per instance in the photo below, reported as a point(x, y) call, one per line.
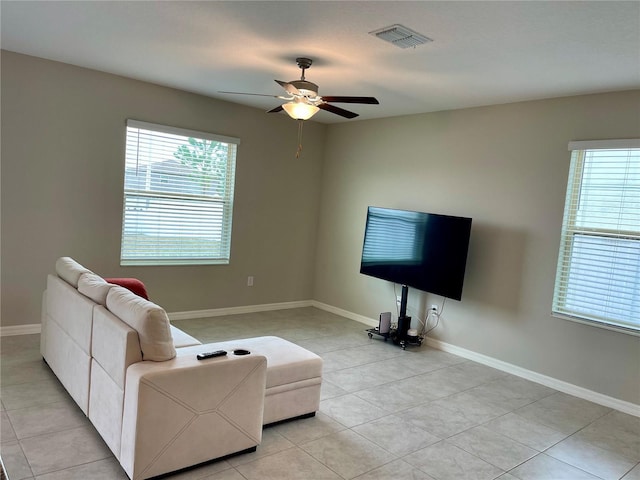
point(294, 375)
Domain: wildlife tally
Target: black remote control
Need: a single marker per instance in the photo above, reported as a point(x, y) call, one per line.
point(217, 353)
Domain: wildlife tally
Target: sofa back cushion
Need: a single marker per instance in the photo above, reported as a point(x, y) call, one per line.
point(95, 287)
point(70, 270)
point(148, 319)
point(133, 284)
point(115, 345)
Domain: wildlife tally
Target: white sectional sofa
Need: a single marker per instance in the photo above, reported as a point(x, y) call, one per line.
point(137, 378)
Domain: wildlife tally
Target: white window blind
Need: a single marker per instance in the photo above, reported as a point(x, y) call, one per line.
point(598, 274)
point(178, 196)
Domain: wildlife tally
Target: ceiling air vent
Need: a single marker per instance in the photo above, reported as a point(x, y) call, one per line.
point(400, 36)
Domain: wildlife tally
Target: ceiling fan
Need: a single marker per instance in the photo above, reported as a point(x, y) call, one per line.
point(303, 100)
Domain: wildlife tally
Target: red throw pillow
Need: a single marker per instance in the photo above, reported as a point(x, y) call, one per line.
point(132, 284)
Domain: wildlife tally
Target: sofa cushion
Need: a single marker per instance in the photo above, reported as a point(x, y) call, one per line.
point(69, 270)
point(148, 319)
point(287, 362)
point(133, 284)
point(95, 287)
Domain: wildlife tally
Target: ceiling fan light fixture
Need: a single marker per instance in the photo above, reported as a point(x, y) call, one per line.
point(300, 110)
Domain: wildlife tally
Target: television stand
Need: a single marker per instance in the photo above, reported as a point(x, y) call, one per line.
point(399, 335)
point(375, 331)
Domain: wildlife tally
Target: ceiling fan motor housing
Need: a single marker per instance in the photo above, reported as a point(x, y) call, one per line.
point(307, 89)
point(304, 62)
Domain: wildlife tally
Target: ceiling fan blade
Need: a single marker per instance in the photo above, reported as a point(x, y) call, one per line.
point(337, 110)
point(276, 109)
point(366, 100)
point(254, 94)
point(291, 90)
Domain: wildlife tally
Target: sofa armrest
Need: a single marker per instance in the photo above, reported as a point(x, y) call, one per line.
point(183, 411)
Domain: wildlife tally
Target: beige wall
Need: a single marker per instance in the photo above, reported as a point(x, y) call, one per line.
point(63, 132)
point(506, 166)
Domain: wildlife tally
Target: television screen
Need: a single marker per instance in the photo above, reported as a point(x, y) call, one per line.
point(426, 251)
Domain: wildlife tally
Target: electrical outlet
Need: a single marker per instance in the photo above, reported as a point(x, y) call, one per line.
point(250, 281)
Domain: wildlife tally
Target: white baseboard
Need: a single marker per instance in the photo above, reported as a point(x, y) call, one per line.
point(12, 330)
point(562, 386)
point(214, 312)
point(218, 312)
point(344, 313)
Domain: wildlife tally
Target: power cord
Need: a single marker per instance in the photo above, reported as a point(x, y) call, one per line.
point(434, 313)
point(395, 300)
point(426, 322)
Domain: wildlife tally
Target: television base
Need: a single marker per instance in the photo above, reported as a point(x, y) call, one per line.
point(403, 343)
point(393, 334)
point(374, 331)
point(404, 323)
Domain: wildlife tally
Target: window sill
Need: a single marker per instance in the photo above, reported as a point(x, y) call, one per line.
point(165, 263)
point(595, 323)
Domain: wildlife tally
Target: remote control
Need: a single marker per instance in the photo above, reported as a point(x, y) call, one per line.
point(217, 353)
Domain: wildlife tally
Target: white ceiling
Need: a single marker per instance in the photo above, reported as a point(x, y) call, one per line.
point(483, 52)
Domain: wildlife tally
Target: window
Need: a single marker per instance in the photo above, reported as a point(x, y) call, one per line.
point(178, 196)
point(598, 275)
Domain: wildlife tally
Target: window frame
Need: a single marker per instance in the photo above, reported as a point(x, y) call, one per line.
point(224, 201)
point(571, 230)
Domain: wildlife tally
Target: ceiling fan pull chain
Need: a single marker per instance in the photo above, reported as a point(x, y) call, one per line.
point(299, 151)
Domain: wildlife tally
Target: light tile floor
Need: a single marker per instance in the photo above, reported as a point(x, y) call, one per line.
point(386, 413)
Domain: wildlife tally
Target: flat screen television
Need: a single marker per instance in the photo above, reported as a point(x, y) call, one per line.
point(426, 251)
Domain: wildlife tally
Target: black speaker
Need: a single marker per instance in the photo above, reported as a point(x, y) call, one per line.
point(385, 322)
